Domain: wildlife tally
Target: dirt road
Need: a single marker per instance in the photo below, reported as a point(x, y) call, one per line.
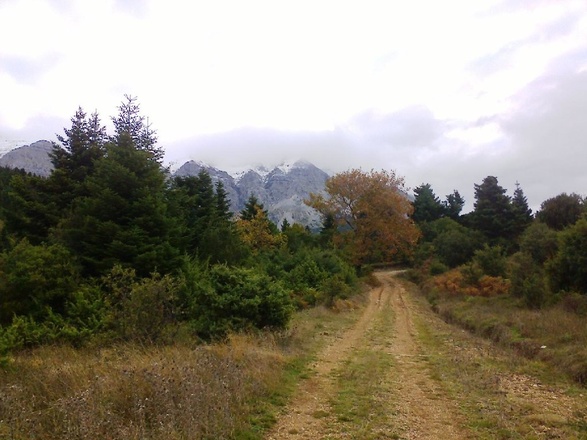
point(380, 379)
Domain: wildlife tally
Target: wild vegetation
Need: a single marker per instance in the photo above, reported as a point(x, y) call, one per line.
point(503, 273)
point(128, 295)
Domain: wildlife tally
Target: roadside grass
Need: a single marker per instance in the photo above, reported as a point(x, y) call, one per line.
point(362, 402)
point(230, 390)
point(493, 383)
point(551, 335)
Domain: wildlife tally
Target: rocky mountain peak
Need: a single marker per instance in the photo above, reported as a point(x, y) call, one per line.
point(33, 158)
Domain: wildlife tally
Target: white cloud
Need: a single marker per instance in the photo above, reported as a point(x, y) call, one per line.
point(443, 92)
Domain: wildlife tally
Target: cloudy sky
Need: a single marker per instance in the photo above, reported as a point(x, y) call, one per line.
point(443, 92)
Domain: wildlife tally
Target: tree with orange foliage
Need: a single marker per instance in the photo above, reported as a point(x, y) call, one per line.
point(372, 214)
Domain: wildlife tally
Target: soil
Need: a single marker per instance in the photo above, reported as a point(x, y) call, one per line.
point(418, 404)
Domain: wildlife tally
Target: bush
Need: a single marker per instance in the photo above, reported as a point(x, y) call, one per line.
point(224, 299)
point(140, 310)
point(568, 269)
point(45, 274)
point(527, 280)
point(491, 260)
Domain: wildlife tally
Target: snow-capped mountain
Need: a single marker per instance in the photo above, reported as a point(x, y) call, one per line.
point(281, 190)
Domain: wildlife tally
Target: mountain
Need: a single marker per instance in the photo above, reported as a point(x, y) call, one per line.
point(281, 190)
point(33, 158)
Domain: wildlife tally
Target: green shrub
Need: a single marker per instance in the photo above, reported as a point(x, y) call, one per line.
point(568, 269)
point(491, 260)
point(224, 299)
point(527, 280)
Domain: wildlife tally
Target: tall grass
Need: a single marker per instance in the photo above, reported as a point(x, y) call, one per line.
point(129, 392)
point(229, 390)
point(553, 334)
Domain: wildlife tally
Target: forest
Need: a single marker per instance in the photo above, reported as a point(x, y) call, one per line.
point(111, 246)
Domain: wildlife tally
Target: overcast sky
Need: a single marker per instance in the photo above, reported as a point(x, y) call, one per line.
point(443, 92)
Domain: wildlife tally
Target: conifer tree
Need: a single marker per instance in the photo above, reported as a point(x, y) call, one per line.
point(130, 122)
point(427, 206)
point(493, 214)
point(522, 214)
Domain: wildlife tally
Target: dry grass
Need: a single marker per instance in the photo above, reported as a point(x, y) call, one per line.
point(129, 392)
point(553, 334)
point(218, 391)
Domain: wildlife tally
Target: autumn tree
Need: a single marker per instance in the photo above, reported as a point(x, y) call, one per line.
point(256, 230)
point(372, 212)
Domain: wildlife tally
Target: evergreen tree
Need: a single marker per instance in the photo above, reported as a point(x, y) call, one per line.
point(251, 206)
point(122, 219)
point(454, 205)
point(130, 122)
point(493, 214)
point(222, 202)
point(73, 161)
point(522, 214)
point(427, 206)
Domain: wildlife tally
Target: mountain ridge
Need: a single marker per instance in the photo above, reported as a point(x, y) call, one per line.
point(281, 189)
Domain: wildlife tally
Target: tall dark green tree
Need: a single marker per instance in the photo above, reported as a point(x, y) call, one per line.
point(74, 160)
point(122, 218)
point(427, 206)
point(493, 214)
point(522, 214)
point(453, 205)
point(129, 122)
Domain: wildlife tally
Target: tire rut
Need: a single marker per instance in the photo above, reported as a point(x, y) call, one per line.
point(418, 409)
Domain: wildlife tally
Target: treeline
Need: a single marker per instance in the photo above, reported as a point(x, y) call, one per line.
point(501, 247)
point(111, 247)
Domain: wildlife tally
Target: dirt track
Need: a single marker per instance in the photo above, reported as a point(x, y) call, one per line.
point(423, 412)
point(460, 388)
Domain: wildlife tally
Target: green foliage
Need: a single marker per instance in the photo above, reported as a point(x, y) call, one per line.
point(454, 205)
point(140, 309)
point(451, 243)
point(34, 279)
point(427, 206)
point(491, 260)
point(539, 241)
point(123, 217)
point(528, 280)
point(561, 211)
point(568, 269)
point(493, 214)
point(222, 299)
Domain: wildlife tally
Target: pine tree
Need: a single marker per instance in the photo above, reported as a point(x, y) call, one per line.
point(454, 205)
point(129, 122)
point(521, 211)
point(493, 214)
point(427, 206)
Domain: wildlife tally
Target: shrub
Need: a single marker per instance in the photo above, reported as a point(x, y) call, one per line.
point(140, 310)
point(527, 280)
point(224, 299)
point(568, 269)
point(35, 279)
point(491, 261)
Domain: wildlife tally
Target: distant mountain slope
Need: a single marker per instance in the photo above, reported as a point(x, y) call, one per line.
point(281, 190)
point(33, 158)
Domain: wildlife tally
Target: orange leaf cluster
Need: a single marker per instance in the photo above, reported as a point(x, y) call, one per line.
point(453, 282)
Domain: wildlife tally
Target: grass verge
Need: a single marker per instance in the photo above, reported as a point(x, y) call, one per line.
point(219, 391)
